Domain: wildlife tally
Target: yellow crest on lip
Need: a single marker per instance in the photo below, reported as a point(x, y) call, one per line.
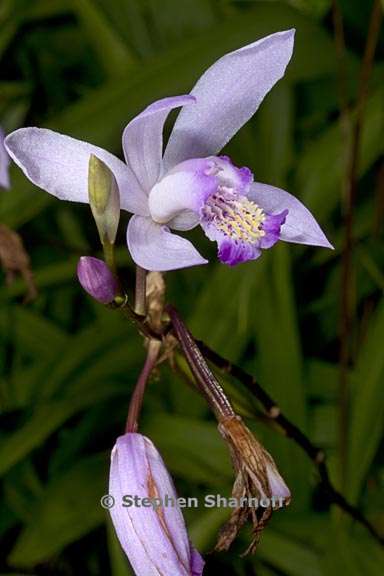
point(237, 217)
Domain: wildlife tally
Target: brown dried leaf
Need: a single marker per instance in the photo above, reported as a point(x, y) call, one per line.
point(15, 260)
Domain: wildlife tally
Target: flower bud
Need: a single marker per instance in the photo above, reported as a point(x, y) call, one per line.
point(97, 279)
point(104, 199)
point(4, 163)
point(153, 536)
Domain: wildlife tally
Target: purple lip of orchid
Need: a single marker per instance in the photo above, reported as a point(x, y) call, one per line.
point(4, 163)
point(219, 201)
point(189, 184)
point(154, 538)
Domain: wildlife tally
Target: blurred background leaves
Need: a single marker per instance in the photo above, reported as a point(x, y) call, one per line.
point(67, 366)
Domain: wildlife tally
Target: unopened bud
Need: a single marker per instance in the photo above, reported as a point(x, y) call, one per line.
point(104, 199)
point(97, 279)
point(146, 515)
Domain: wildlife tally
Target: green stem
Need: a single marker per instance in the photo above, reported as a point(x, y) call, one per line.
point(109, 256)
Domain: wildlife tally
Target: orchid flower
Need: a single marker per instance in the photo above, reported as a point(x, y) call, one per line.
point(4, 163)
point(190, 184)
point(154, 537)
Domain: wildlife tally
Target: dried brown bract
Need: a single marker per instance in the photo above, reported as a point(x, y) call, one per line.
point(15, 260)
point(155, 298)
point(258, 487)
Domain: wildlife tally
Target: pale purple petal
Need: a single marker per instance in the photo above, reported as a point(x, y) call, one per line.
point(4, 163)
point(232, 176)
point(59, 165)
point(156, 542)
point(143, 139)
point(227, 95)
point(277, 486)
point(300, 226)
point(153, 247)
point(185, 220)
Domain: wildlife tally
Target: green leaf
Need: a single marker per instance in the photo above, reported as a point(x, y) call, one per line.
point(279, 366)
point(174, 25)
point(129, 23)
point(223, 321)
point(273, 138)
point(293, 558)
point(22, 488)
point(44, 421)
point(69, 508)
point(349, 553)
point(318, 180)
point(367, 413)
point(26, 324)
point(192, 449)
point(114, 54)
point(204, 530)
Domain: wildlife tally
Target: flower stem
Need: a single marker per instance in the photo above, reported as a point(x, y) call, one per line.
point(109, 256)
point(206, 381)
point(140, 291)
point(138, 393)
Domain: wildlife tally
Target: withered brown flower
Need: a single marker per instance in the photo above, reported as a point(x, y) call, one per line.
point(257, 477)
point(258, 487)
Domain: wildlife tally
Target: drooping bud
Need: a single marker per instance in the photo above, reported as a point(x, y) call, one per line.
point(149, 525)
point(97, 279)
point(104, 199)
point(257, 480)
point(4, 163)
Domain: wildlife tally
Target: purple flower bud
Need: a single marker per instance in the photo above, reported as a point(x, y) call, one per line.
point(97, 279)
point(148, 521)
